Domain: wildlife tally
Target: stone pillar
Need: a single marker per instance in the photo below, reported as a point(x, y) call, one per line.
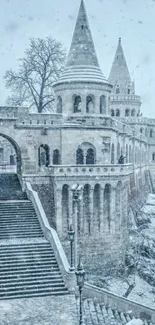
point(113, 218)
point(59, 212)
point(101, 210)
point(70, 207)
point(91, 208)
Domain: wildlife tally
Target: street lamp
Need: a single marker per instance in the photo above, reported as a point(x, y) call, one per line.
point(71, 234)
point(80, 276)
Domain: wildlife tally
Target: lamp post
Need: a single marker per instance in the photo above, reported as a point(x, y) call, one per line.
point(80, 276)
point(76, 190)
point(71, 234)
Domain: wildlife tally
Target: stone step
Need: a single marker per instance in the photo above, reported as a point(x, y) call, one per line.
point(31, 272)
point(31, 277)
point(27, 256)
point(20, 247)
point(29, 268)
point(27, 263)
point(38, 293)
point(28, 285)
point(20, 236)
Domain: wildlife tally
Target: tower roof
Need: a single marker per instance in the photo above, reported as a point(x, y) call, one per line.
point(119, 71)
point(82, 50)
point(82, 64)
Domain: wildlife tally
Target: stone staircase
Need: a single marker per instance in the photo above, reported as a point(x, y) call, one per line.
point(28, 267)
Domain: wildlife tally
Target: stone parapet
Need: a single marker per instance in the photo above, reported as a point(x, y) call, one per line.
point(91, 170)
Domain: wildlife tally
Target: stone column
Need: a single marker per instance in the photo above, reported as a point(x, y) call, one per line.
point(102, 210)
point(70, 207)
point(59, 212)
point(91, 208)
point(113, 218)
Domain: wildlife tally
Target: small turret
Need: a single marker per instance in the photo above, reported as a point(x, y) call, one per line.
point(123, 100)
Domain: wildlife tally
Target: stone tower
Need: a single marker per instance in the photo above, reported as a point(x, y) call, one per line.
point(123, 101)
point(82, 89)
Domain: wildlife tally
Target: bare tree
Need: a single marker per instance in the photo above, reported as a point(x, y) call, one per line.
point(41, 66)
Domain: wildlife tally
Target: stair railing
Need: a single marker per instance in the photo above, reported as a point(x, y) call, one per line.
point(51, 235)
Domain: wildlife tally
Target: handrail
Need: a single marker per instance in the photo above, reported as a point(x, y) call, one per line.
point(120, 303)
point(52, 237)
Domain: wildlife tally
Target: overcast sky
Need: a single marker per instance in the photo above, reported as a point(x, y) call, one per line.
point(132, 20)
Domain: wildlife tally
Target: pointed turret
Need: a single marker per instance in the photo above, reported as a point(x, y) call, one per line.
point(119, 74)
point(82, 87)
point(82, 64)
point(123, 101)
point(82, 50)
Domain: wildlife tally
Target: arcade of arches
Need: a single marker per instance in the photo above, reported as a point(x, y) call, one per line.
point(99, 208)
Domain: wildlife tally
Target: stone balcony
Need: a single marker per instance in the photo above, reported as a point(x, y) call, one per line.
point(91, 170)
point(131, 98)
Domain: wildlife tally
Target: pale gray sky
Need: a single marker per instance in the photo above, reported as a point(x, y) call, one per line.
point(133, 20)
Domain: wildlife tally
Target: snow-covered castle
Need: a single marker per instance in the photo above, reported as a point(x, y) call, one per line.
point(72, 157)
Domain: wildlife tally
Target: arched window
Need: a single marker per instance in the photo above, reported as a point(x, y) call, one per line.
point(90, 157)
point(117, 112)
point(153, 156)
point(112, 154)
point(118, 205)
point(56, 157)
point(103, 105)
point(127, 112)
point(43, 155)
point(133, 112)
point(76, 104)
point(112, 112)
point(151, 133)
point(79, 156)
point(141, 130)
point(59, 104)
point(90, 104)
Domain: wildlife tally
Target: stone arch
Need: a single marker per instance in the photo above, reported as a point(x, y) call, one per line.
point(56, 157)
point(127, 112)
point(59, 104)
point(117, 112)
point(112, 153)
point(90, 104)
point(65, 208)
point(103, 104)
point(112, 112)
point(43, 155)
point(17, 151)
point(89, 153)
point(79, 156)
point(86, 207)
point(107, 200)
point(97, 206)
point(133, 112)
point(76, 103)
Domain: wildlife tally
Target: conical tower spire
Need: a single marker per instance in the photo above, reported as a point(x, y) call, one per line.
point(82, 50)
point(82, 64)
point(119, 71)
